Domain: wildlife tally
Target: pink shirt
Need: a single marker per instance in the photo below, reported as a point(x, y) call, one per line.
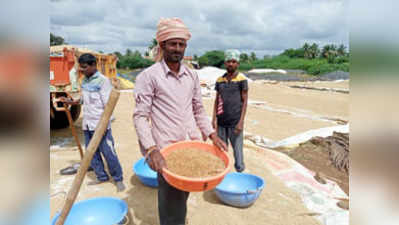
point(168, 107)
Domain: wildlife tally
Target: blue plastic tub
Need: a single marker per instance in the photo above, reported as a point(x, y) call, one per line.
point(36, 213)
point(96, 211)
point(146, 175)
point(239, 189)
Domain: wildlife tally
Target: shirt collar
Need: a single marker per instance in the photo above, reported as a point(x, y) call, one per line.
point(235, 75)
point(182, 69)
point(94, 76)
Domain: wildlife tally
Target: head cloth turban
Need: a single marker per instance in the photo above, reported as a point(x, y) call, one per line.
point(169, 28)
point(232, 54)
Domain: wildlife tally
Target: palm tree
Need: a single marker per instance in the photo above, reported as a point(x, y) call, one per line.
point(244, 57)
point(329, 50)
point(341, 50)
point(314, 51)
point(154, 43)
point(253, 56)
point(306, 52)
point(128, 52)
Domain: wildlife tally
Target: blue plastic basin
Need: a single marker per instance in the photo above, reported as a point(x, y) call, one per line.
point(96, 211)
point(146, 175)
point(240, 189)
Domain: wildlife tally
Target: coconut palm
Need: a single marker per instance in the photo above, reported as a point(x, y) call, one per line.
point(154, 43)
point(341, 50)
point(314, 51)
point(253, 56)
point(306, 50)
point(329, 50)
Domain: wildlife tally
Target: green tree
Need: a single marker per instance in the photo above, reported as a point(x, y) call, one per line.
point(314, 51)
point(306, 51)
point(329, 50)
point(244, 57)
point(153, 43)
point(212, 58)
point(294, 53)
point(118, 54)
point(128, 52)
point(137, 54)
point(253, 56)
point(195, 57)
point(56, 40)
point(341, 50)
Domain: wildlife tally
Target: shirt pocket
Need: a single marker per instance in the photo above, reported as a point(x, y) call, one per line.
point(95, 99)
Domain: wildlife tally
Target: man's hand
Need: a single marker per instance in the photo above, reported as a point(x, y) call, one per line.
point(218, 142)
point(116, 83)
point(214, 124)
point(238, 128)
point(155, 160)
point(204, 137)
point(68, 101)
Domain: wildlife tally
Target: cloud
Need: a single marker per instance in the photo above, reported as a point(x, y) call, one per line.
point(268, 27)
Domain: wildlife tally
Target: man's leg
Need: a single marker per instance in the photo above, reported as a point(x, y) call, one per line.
point(96, 162)
point(222, 133)
point(172, 203)
point(107, 149)
point(236, 141)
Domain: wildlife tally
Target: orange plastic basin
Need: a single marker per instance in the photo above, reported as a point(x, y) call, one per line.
point(190, 184)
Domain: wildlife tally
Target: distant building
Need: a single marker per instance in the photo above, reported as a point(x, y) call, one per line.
point(189, 60)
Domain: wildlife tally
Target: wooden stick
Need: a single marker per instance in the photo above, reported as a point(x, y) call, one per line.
point(73, 130)
point(91, 149)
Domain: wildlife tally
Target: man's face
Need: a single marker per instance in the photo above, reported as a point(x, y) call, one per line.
point(87, 70)
point(174, 49)
point(231, 65)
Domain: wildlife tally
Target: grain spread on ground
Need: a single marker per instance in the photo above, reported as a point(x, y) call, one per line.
point(191, 162)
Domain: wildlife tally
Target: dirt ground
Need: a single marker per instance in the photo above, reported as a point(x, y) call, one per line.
point(316, 158)
point(322, 103)
point(277, 205)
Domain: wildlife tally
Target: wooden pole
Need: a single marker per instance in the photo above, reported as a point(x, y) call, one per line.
point(91, 149)
point(74, 134)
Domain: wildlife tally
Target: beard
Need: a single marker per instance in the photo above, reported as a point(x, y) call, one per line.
point(230, 69)
point(174, 57)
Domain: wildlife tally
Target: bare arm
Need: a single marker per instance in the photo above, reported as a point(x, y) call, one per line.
point(215, 106)
point(244, 99)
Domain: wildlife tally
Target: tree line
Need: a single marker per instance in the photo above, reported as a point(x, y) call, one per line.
point(310, 58)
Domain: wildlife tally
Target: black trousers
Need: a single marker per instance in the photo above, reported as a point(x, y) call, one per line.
point(172, 203)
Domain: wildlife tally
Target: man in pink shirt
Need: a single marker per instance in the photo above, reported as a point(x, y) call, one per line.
point(169, 109)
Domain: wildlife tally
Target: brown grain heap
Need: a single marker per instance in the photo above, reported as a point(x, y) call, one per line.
point(191, 162)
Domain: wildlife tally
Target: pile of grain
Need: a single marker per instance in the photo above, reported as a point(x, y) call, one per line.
point(191, 162)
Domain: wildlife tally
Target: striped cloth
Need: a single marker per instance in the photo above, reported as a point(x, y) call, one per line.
point(219, 109)
point(169, 28)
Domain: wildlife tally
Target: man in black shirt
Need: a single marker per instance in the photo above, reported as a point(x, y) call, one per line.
point(231, 105)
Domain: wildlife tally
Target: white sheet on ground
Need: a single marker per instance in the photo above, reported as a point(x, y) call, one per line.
point(297, 139)
point(267, 71)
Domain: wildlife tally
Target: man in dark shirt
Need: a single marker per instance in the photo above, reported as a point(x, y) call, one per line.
point(231, 105)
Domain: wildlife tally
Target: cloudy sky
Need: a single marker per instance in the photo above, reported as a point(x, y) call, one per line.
point(261, 26)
